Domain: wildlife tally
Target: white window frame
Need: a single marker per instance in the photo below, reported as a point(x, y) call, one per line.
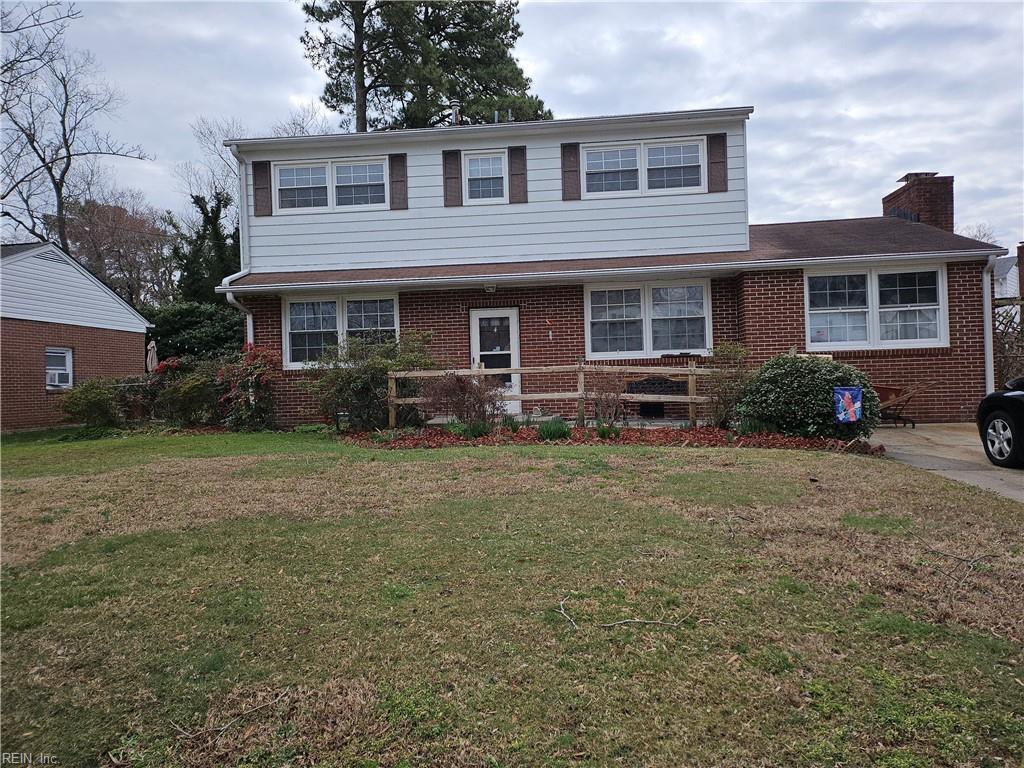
point(340, 300)
point(333, 191)
point(69, 366)
point(332, 202)
point(503, 154)
point(646, 317)
point(874, 340)
point(641, 147)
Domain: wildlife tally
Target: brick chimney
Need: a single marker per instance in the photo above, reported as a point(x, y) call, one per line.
point(925, 196)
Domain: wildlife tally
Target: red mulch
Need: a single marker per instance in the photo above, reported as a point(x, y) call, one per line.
point(697, 437)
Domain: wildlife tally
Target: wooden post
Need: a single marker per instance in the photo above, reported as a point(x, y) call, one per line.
point(691, 390)
point(581, 392)
point(392, 406)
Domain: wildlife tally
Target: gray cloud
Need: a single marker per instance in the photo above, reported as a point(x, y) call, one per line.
point(848, 97)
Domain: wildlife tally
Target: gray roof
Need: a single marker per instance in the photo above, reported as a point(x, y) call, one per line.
point(13, 249)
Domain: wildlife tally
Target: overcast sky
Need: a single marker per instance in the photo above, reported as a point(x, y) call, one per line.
point(848, 97)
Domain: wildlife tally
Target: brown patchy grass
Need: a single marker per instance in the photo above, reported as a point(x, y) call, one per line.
point(333, 608)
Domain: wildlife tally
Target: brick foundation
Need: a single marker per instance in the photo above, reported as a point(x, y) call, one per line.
point(97, 353)
point(764, 311)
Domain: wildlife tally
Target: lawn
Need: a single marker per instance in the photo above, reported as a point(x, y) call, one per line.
point(285, 599)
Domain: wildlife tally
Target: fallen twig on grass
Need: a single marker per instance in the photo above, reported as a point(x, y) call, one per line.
point(561, 610)
point(658, 622)
point(967, 564)
point(220, 730)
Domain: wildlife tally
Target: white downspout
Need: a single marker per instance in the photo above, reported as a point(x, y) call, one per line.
point(986, 287)
point(243, 236)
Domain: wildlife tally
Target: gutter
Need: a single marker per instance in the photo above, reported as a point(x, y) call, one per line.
point(986, 291)
point(490, 129)
point(243, 249)
point(585, 275)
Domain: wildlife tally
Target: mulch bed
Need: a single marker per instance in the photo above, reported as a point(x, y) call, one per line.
point(696, 437)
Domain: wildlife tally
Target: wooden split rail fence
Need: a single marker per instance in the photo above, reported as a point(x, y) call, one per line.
point(690, 373)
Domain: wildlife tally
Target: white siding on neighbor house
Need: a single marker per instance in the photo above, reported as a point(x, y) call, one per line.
point(50, 289)
point(545, 228)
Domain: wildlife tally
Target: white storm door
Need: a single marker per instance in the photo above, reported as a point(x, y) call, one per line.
point(494, 343)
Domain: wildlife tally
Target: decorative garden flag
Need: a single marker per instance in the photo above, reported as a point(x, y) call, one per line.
point(848, 406)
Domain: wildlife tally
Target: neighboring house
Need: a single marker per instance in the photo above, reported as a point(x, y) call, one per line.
point(1007, 276)
point(59, 325)
point(614, 238)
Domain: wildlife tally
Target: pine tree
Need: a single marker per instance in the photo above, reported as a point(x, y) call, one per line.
point(399, 65)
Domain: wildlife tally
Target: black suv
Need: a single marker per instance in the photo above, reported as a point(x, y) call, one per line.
point(1001, 424)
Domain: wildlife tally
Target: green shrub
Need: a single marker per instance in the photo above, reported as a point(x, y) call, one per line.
point(249, 399)
point(607, 431)
point(794, 394)
point(189, 328)
point(354, 380)
point(511, 423)
point(91, 403)
point(190, 398)
point(555, 429)
point(470, 431)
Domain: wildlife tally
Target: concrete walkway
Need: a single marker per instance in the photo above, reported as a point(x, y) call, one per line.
point(953, 451)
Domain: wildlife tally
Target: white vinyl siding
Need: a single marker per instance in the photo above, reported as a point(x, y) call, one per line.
point(545, 228)
point(647, 319)
point(50, 289)
point(876, 308)
point(312, 325)
point(59, 368)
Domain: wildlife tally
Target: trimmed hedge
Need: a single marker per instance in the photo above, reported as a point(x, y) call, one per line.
point(793, 395)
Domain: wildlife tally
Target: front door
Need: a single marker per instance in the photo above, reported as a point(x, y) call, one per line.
point(494, 343)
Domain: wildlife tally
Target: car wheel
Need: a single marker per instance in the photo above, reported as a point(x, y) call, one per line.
point(1002, 440)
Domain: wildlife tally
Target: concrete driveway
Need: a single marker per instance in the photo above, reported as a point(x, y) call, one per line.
point(953, 451)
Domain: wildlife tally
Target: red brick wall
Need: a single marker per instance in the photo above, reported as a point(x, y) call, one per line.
point(773, 310)
point(762, 310)
point(97, 353)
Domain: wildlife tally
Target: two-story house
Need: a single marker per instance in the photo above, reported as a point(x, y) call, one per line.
point(621, 238)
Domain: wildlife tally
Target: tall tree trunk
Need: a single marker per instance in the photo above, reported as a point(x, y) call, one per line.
point(359, 63)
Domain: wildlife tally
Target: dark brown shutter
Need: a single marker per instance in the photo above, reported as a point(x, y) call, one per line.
point(451, 159)
point(517, 174)
point(570, 171)
point(718, 164)
point(262, 191)
point(398, 180)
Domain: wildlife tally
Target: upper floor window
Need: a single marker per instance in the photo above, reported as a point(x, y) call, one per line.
point(664, 166)
point(672, 166)
point(486, 177)
point(359, 183)
point(612, 170)
point(58, 368)
point(874, 308)
point(647, 320)
point(302, 186)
